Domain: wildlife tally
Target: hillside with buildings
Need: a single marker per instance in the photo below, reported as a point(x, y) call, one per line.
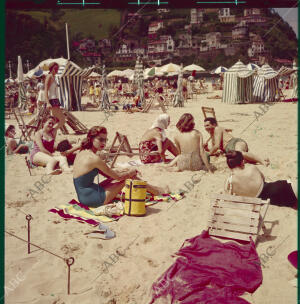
point(208, 37)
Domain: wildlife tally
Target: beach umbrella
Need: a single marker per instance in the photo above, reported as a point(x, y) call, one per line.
point(193, 67)
point(219, 70)
point(252, 66)
point(22, 92)
point(169, 68)
point(20, 70)
point(9, 80)
point(151, 72)
point(114, 73)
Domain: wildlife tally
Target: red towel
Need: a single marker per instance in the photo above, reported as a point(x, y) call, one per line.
point(210, 272)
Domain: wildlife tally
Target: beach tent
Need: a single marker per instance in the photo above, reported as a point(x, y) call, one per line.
point(252, 66)
point(265, 84)
point(193, 67)
point(69, 78)
point(219, 70)
point(238, 84)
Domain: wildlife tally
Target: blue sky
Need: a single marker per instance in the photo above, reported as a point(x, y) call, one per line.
point(290, 15)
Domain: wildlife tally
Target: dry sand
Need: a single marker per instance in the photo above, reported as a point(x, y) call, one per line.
point(148, 242)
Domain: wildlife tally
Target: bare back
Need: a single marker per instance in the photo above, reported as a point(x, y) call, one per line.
point(247, 181)
point(188, 142)
point(85, 161)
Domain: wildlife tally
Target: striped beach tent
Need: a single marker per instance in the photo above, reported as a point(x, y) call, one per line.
point(265, 84)
point(238, 84)
point(70, 77)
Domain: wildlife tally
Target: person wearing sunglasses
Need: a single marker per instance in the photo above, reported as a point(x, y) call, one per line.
point(89, 162)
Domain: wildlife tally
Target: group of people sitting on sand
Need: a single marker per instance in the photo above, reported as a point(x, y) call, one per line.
point(189, 151)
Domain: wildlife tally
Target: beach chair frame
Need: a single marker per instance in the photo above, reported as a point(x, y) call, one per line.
point(25, 129)
point(237, 217)
point(208, 110)
point(120, 144)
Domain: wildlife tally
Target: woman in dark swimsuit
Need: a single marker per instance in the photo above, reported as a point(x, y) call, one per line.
point(88, 164)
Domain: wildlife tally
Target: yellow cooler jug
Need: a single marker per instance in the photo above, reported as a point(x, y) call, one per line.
point(135, 196)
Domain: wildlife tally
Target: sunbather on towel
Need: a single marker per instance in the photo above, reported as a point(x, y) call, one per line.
point(88, 164)
point(248, 180)
point(189, 143)
point(224, 141)
point(42, 153)
point(154, 142)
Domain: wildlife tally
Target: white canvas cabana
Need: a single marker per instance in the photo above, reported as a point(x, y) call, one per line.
point(265, 84)
point(238, 84)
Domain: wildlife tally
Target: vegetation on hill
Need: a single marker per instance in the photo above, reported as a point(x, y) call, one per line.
point(37, 35)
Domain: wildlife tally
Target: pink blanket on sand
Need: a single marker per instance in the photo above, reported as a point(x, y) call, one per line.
point(210, 272)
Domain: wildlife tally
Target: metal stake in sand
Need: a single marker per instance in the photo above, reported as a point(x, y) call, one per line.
point(28, 218)
point(70, 261)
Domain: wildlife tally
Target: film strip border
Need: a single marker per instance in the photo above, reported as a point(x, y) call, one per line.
point(131, 4)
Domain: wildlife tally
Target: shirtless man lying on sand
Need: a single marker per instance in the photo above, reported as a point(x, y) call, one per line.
point(224, 141)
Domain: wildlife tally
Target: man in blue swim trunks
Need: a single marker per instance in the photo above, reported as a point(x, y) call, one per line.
point(224, 141)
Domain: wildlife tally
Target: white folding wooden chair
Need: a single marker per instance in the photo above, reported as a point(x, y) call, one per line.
point(237, 217)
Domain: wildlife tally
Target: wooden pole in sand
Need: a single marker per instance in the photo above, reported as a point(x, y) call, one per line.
point(67, 37)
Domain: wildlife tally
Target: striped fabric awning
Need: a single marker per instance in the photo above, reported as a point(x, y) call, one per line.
point(238, 67)
point(267, 72)
point(70, 69)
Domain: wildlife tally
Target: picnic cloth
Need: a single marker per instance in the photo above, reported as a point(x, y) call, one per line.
point(84, 214)
point(210, 272)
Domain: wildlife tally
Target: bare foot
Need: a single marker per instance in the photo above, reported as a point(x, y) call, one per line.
point(55, 172)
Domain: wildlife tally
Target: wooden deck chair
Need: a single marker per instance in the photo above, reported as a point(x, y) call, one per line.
point(120, 144)
point(209, 112)
point(25, 129)
point(237, 217)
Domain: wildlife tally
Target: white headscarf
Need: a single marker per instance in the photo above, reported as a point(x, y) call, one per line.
point(162, 122)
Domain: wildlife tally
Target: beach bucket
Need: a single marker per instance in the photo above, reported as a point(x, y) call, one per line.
point(135, 196)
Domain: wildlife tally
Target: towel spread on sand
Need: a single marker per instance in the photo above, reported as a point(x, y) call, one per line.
point(84, 214)
point(210, 272)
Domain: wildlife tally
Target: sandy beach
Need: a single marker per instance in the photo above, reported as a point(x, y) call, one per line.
point(99, 275)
